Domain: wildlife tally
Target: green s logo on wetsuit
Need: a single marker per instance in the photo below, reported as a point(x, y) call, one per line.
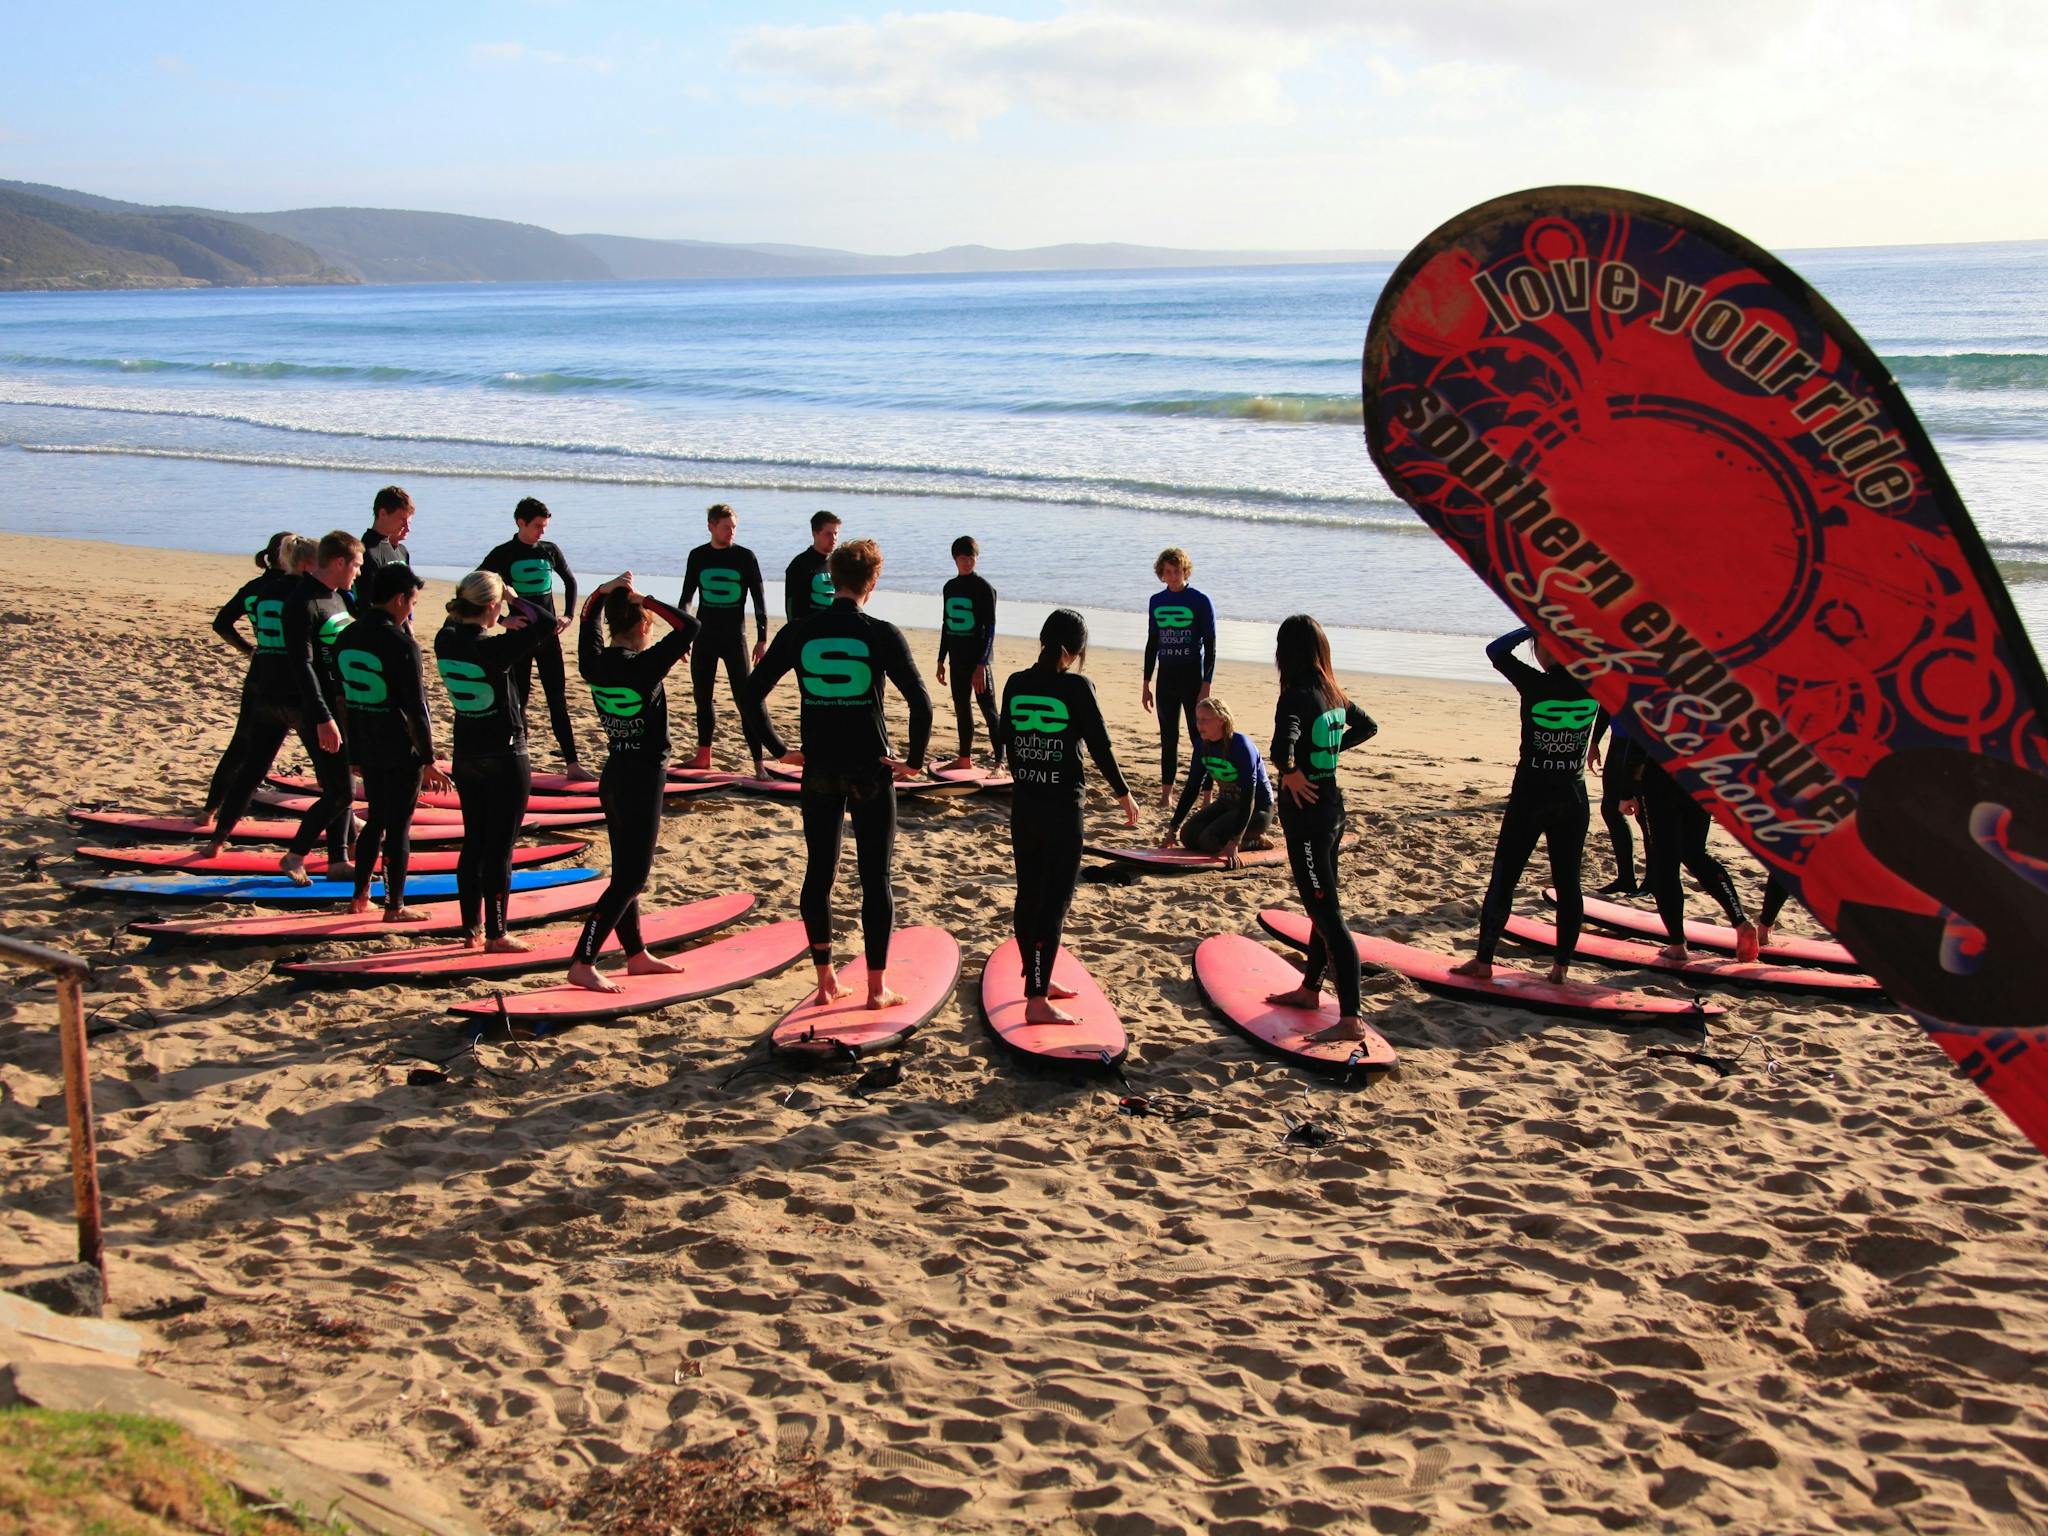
point(1174, 616)
point(621, 703)
point(332, 626)
point(268, 617)
point(1564, 714)
point(1221, 769)
point(821, 590)
point(1325, 738)
point(835, 668)
point(959, 615)
point(532, 578)
point(467, 690)
point(720, 589)
point(1037, 713)
point(362, 679)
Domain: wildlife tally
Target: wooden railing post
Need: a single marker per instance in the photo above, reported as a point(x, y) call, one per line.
point(71, 972)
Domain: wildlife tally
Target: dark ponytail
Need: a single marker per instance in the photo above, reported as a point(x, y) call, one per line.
point(267, 556)
point(1063, 630)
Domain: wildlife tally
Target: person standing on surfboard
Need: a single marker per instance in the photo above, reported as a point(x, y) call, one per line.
point(841, 657)
point(529, 562)
point(967, 638)
point(492, 774)
point(625, 681)
point(390, 734)
point(1617, 780)
point(1049, 714)
point(1676, 826)
point(1547, 799)
point(316, 612)
point(1314, 724)
point(1224, 756)
point(1180, 640)
point(807, 580)
point(274, 572)
point(384, 540)
point(722, 576)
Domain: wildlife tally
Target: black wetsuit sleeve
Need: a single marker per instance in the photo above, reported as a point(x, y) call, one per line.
point(305, 666)
point(236, 607)
point(1599, 730)
point(1358, 727)
point(793, 588)
point(1095, 736)
point(760, 600)
point(780, 657)
point(1151, 643)
point(1287, 725)
point(1198, 775)
point(411, 697)
point(1208, 640)
point(693, 573)
point(902, 671)
point(1501, 653)
point(568, 578)
point(588, 641)
point(501, 652)
point(985, 616)
point(673, 646)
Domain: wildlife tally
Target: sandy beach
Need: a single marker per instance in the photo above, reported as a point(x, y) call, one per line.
point(1551, 1276)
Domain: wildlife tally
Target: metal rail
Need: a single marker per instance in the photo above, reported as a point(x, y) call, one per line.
point(71, 972)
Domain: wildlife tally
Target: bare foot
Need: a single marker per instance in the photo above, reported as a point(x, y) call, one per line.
point(1481, 970)
point(1057, 992)
point(964, 760)
point(505, 945)
point(590, 978)
point(644, 964)
point(578, 772)
point(1559, 973)
point(471, 939)
point(1747, 943)
point(882, 997)
point(293, 867)
point(1676, 954)
point(1166, 794)
point(829, 990)
point(1351, 1027)
point(1039, 1010)
point(358, 905)
point(204, 818)
point(216, 848)
point(406, 915)
point(1299, 997)
point(791, 759)
point(340, 870)
point(1763, 935)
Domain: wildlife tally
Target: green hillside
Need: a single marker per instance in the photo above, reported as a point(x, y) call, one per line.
point(49, 244)
point(38, 255)
point(390, 245)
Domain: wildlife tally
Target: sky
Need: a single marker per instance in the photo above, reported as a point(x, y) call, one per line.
point(1213, 124)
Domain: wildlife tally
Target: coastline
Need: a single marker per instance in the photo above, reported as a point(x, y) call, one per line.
point(1549, 1276)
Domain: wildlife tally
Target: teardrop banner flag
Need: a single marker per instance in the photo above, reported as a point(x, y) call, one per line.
point(1672, 458)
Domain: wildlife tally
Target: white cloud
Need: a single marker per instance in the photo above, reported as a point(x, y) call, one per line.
point(494, 54)
point(955, 70)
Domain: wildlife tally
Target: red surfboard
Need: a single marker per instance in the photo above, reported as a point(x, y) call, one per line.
point(1096, 1039)
point(1237, 975)
point(1178, 861)
point(1431, 969)
point(448, 800)
point(733, 961)
point(1706, 968)
point(1825, 953)
point(443, 917)
point(548, 948)
point(924, 965)
point(294, 804)
point(772, 787)
point(248, 861)
point(138, 824)
point(1678, 464)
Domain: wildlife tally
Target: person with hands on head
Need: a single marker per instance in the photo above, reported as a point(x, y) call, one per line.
point(967, 638)
point(275, 569)
point(529, 562)
point(1223, 758)
point(1180, 640)
point(841, 658)
point(626, 681)
point(1314, 724)
point(390, 735)
point(492, 774)
point(1049, 715)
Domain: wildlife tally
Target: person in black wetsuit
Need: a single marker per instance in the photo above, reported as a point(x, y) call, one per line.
point(1049, 714)
point(1676, 827)
point(274, 570)
point(625, 680)
point(722, 576)
point(384, 540)
point(1314, 724)
point(1223, 757)
point(1776, 894)
point(1617, 779)
point(390, 734)
point(1547, 799)
point(529, 564)
point(841, 657)
point(1180, 640)
point(492, 775)
point(967, 639)
point(807, 580)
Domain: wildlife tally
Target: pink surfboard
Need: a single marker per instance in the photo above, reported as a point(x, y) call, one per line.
point(980, 778)
point(248, 830)
point(719, 966)
point(782, 771)
point(1774, 978)
point(1178, 861)
point(1785, 950)
point(448, 800)
point(443, 918)
point(924, 965)
point(294, 804)
point(1237, 975)
point(1522, 989)
point(1098, 1039)
point(935, 788)
point(550, 948)
point(250, 861)
point(771, 787)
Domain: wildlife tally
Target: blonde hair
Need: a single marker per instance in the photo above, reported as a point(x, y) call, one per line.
point(1174, 555)
point(1221, 710)
point(473, 599)
point(301, 551)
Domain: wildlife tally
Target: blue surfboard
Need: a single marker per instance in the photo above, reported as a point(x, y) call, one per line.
point(277, 891)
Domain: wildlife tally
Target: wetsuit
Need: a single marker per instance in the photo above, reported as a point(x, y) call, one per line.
point(1617, 783)
point(840, 657)
point(632, 705)
point(315, 615)
point(491, 772)
point(266, 651)
point(378, 552)
point(806, 585)
point(967, 641)
point(722, 580)
point(1048, 716)
point(1548, 797)
point(1180, 640)
point(390, 739)
point(1309, 737)
point(1776, 894)
point(1243, 808)
point(530, 570)
point(1677, 825)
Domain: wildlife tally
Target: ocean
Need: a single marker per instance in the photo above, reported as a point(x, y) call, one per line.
point(1075, 423)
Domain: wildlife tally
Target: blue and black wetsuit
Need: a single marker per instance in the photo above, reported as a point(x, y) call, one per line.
point(1180, 641)
point(1243, 808)
point(264, 651)
point(722, 581)
point(1309, 736)
point(530, 570)
point(967, 642)
point(390, 739)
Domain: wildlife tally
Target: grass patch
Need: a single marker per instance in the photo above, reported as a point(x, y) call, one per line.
point(113, 1474)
